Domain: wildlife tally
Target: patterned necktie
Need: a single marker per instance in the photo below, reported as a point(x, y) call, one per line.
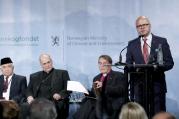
point(5, 85)
point(145, 51)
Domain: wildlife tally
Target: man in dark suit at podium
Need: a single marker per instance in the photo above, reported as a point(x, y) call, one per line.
point(50, 84)
point(12, 86)
point(144, 50)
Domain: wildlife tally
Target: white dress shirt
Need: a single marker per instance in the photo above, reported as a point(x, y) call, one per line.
point(149, 42)
point(7, 93)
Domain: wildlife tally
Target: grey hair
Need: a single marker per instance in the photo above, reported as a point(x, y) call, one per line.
point(42, 109)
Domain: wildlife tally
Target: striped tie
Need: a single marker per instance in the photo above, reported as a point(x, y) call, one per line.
point(145, 51)
point(5, 84)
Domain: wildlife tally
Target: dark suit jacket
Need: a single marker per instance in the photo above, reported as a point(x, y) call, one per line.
point(58, 83)
point(18, 88)
point(115, 95)
point(134, 55)
point(116, 89)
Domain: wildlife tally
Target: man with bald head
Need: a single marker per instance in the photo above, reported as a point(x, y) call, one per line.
point(51, 84)
point(144, 50)
point(163, 115)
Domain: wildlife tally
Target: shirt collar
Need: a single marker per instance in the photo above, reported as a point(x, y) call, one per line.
point(9, 77)
point(104, 75)
point(48, 72)
point(149, 40)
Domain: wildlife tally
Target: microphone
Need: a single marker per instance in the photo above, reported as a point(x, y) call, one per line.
point(116, 64)
point(159, 58)
point(110, 64)
point(146, 43)
point(160, 55)
point(120, 57)
point(107, 65)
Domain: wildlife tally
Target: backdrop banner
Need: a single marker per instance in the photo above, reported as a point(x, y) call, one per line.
point(76, 32)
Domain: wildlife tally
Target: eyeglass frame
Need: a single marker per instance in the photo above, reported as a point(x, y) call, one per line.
point(142, 25)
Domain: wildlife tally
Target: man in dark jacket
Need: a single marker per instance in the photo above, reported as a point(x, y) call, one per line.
point(50, 84)
point(109, 92)
point(12, 86)
point(144, 50)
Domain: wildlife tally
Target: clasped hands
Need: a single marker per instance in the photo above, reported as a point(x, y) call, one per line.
point(97, 85)
point(56, 96)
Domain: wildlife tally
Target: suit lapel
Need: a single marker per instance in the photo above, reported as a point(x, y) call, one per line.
point(1, 84)
point(13, 84)
point(38, 83)
point(110, 77)
point(1, 81)
point(98, 77)
point(53, 78)
point(154, 46)
point(139, 50)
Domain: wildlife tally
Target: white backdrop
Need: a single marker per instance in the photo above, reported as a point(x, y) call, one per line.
point(76, 32)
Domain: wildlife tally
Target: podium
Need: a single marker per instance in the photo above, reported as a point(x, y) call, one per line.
point(140, 78)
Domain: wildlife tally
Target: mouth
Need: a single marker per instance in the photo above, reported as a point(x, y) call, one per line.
point(143, 32)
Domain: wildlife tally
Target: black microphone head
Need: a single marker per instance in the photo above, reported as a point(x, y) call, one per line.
point(120, 57)
point(152, 59)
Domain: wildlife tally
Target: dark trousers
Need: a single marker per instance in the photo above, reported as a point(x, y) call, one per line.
point(62, 108)
point(157, 99)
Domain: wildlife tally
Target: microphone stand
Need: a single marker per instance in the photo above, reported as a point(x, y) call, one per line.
point(120, 63)
point(115, 65)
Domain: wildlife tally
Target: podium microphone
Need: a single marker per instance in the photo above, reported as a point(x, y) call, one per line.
point(120, 57)
point(146, 42)
point(160, 55)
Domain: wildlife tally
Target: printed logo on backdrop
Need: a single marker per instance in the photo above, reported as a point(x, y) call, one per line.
point(55, 40)
point(19, 40)
point(91, 40)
